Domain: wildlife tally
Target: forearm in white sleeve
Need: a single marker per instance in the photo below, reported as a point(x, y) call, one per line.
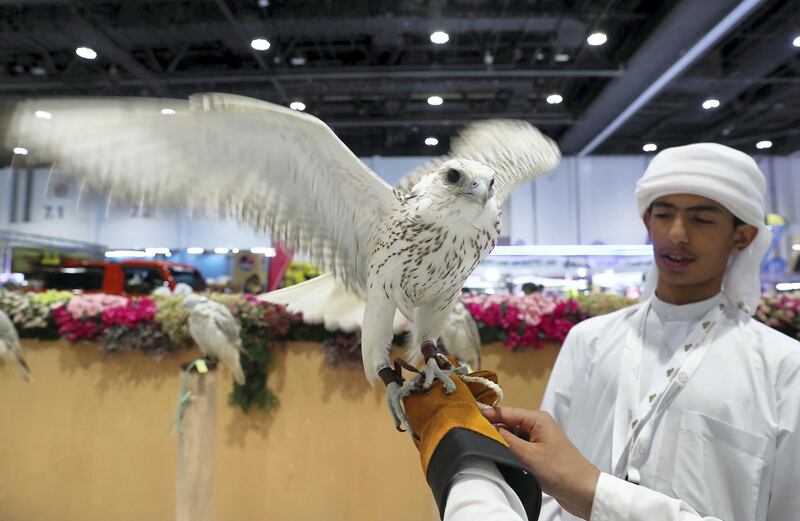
point(617, 500)
point(479, 493)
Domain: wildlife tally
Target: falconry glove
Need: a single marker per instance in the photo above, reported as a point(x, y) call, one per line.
point(450, 427)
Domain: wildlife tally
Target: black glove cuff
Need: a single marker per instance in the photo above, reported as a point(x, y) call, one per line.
point(460, 443)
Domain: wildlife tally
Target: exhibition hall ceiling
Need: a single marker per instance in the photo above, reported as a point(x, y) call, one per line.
point(600, 76)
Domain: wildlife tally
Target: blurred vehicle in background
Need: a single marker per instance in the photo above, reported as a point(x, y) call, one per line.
point(133, 277)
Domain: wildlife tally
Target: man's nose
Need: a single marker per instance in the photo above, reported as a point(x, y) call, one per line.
point(677, 232)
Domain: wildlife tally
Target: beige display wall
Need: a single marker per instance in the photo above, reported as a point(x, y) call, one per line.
point(90, 439)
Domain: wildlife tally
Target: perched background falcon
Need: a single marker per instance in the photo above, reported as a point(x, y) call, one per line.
point(215, 331)
point(287, 173)
point(10, 348)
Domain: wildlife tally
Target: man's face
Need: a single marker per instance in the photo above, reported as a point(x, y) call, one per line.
point(693, 236)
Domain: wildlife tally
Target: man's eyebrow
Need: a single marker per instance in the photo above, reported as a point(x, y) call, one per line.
point(704, 208)
point(696, 208)
point(664, 204)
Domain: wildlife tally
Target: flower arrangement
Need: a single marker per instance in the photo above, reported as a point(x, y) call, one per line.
point(158, 326)
point(596, 304)
point(82, 316)
point(522, 320)
point(297, 272)
point(32, 313)
point(781, 312)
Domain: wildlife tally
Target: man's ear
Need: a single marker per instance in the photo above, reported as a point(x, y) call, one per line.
point(646, 221)
point(743, 235)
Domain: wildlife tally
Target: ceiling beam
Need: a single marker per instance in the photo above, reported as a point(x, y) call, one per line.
point(322, 75)
point(686, 33)
point(116, 54)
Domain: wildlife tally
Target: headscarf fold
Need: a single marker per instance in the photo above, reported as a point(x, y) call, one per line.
point(729, 177)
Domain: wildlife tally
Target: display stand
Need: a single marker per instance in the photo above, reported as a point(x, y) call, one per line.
point(195, 470)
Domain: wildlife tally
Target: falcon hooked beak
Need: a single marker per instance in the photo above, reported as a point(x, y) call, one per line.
point(479, 191)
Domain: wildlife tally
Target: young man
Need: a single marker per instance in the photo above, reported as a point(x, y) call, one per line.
point(684, 406)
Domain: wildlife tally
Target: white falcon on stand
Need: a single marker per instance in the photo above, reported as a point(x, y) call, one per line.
point(10, 348)
point(215, 331)
point(287, 173)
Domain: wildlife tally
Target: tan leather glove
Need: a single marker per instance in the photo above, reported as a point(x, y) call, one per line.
point(450, 427)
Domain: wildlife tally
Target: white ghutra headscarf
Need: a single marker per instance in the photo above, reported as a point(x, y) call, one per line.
point(729, 177)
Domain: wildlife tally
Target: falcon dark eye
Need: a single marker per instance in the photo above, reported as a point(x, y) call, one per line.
point(453, 176)
point(491, 184)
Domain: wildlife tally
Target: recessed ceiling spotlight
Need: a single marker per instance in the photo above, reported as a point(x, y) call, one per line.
point(168, 112)
point(761, 145)
point(796, 41)
point(597, 39)
point(554, 99)
point(431, 141)
point(650, 147)
point(87, 53)
point(440, 37)
point(561, 57)
point(435, 100)
point(710, 103)
point(43, 114)
point(297, 105)
point(488, 59)
point(263, 4)
point(298, 60)
point(36, 70)
point(260, 44)
point(21, 151)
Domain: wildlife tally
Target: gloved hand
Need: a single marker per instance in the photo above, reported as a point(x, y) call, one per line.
point(451, 427)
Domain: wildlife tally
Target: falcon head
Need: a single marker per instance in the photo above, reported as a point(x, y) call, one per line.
point(192, 301)
point(462, 179)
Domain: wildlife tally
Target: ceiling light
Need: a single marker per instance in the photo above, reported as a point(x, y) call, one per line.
point(431, 141)
point(221, 251)
point(787, 286)
point(297, 105)
point(491, 275)
point(21, 151)
point(268, 252)
point(795, 247)
point(597, 39)
point(796, 41)
point(157, 251)
point(87, 53)
point(263, 4)
point(488, 59)
point(561, 57)
point(554, 99)
point(440, 37)
point(38, 71)
point(650, 147)
point(42, 114)
point(235, 250)
point(195, 250)
point(168, 112)
point(260, 44)
point(121, 254)
point(435, 100)
point(761, 145)
point(582, 272)
point(298, 60)
point(711, 103)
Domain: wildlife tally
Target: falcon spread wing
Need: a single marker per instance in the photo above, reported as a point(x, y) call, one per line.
point(274, 168)
point(514, 149)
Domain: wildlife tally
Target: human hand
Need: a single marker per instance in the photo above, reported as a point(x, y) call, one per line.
point(536, 439)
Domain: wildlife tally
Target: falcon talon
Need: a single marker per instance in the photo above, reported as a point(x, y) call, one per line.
point(433, 372)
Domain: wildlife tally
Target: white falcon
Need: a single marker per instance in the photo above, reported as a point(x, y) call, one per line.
point(215, 331)
point(287, 173)
point(10, 348)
